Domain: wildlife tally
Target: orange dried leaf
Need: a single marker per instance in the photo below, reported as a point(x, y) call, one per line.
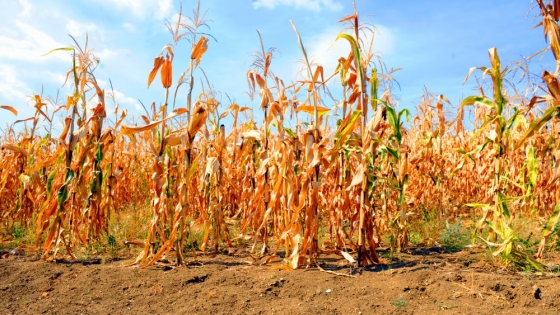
point(69, 102)
point(128, 130)
point(199, 49)
point(158, 62)
point(348, 18)
point(267, 61)
point(260, 80)
point(10, 108)
point(67, 122)
point(14, 148)
point(311, 109)
point(168, 48)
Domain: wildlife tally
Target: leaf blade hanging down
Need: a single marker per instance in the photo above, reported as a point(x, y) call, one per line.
point(197, 121)
point(199, 49)
point(158, 62)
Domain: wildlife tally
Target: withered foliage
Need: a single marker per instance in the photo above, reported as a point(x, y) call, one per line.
point(272, 187)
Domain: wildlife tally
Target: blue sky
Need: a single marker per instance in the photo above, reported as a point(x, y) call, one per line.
point(434, 42)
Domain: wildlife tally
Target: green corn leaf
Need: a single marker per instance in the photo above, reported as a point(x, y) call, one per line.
point(497, 230)
point(503, 204)
point(550, 226)
point(290, 132)
point(497, 79)
point(471, 100)
point(532, 166)
point(99, 154)
point(406, 113)
point(63, 192)
point(483, 127)
point(374, 88)
point(356, 50)
point(394, 153)
point(479, 205)
point(60, 49)
point(347, 127)
point(537, 125)
point(50, 179)
point(393, 119)
point(107, 172)
point(194, 165)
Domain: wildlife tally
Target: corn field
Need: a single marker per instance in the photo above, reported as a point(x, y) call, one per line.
point(343, 186)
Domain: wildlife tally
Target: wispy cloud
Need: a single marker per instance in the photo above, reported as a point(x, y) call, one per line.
point(26, 8)
point(157, 9)
point(27, 43)
point(313, 5)
point(129, 26)
point(106, 54)
point(118, 97)
point(76, 28)
point(12, 89)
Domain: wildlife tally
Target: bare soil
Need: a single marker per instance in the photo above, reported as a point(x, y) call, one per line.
point(421, 281)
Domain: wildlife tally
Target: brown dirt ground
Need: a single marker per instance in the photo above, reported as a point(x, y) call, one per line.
point(421, 281)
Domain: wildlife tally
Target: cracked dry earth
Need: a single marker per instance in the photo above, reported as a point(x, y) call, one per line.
point(418, 282)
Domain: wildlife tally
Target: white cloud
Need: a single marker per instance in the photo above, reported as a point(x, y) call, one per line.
point(130, 27)
point(25, 7)
point(11, 88)
point(158, 9)
point(28, 44)
point(75, 28)
point(116, 95)
point(58, 77)
point(120, 98)
point(313, 5)
point(164, 9)
point(105, 54)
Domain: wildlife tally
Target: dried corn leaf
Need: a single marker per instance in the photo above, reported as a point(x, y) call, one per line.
point(129, 130)
point(10, 108)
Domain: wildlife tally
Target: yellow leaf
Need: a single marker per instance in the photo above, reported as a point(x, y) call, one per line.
point(311, 109)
